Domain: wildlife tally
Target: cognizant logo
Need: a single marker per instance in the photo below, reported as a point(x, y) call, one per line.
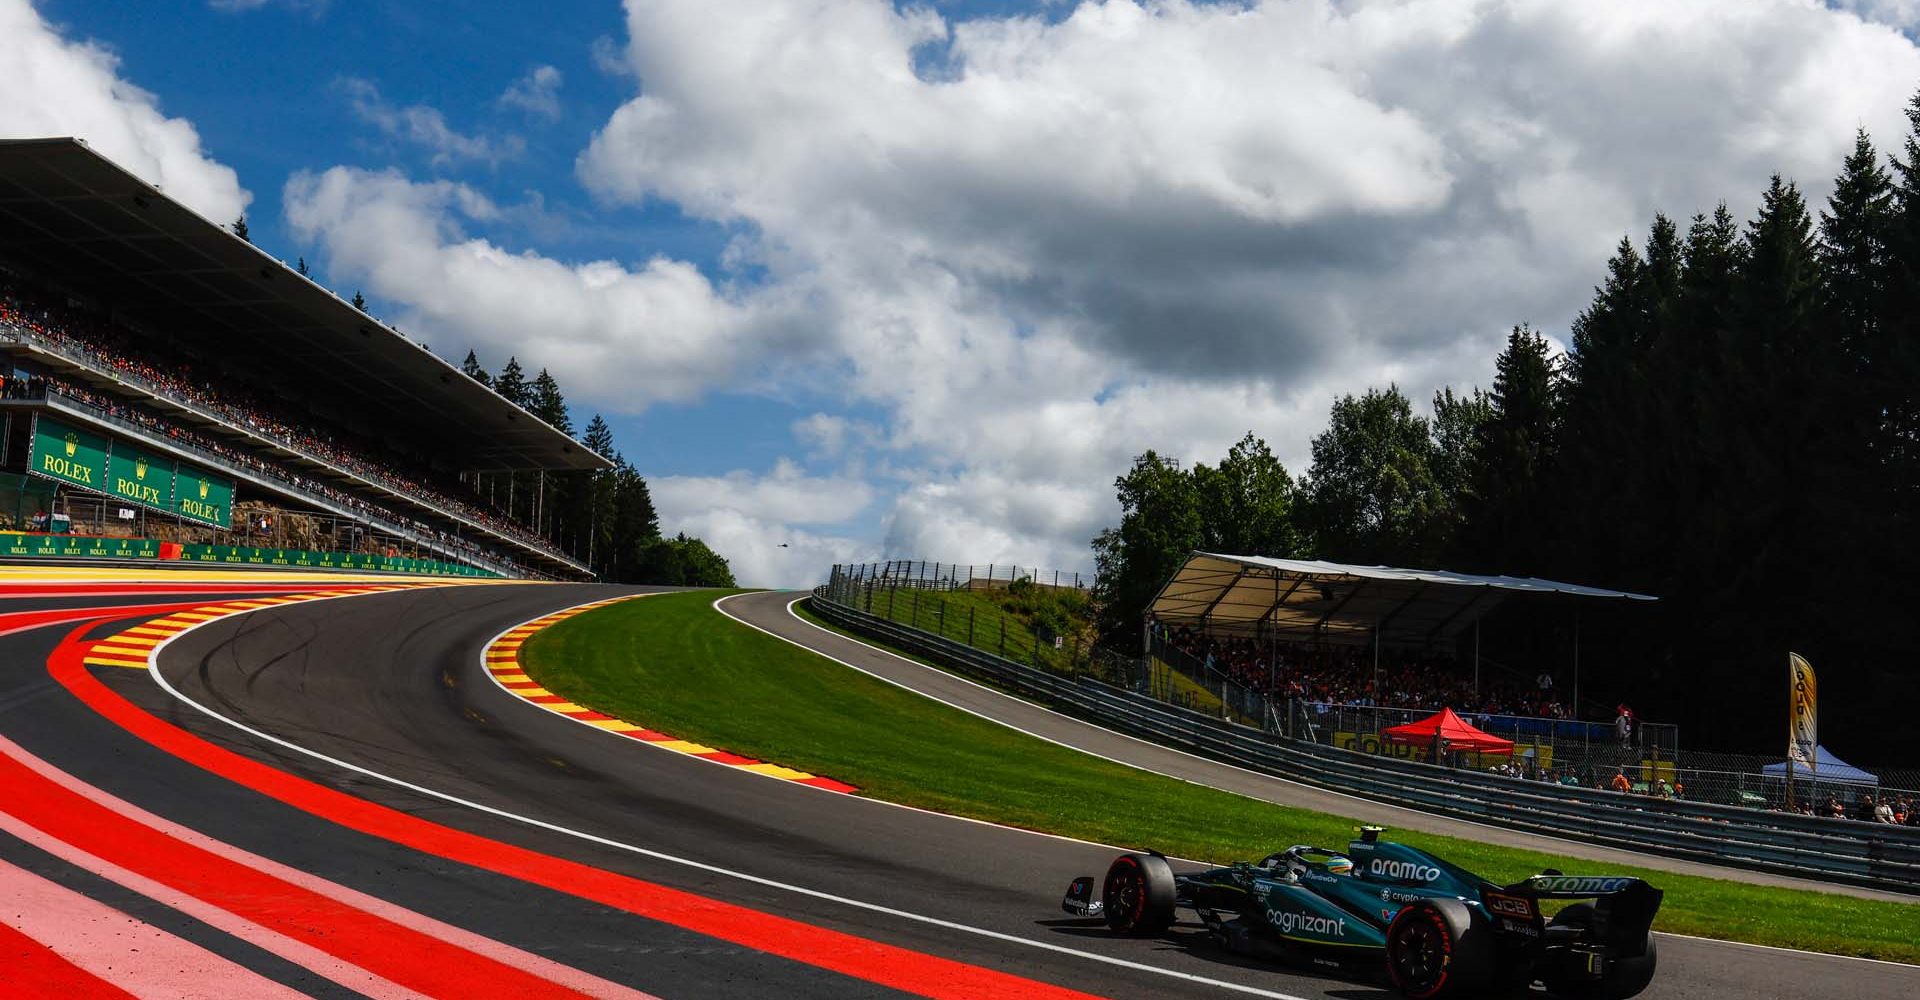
point(1404, 870)
point(1289, 922)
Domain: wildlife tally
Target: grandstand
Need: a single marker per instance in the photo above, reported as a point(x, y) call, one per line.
point(1378, 644)
point(163, 373)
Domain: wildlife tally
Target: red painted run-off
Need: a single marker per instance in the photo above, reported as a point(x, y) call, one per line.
point(389, 950)
point(883, 964)
point(31, 969)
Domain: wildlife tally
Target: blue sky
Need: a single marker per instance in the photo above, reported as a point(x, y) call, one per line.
point(264, 86)
point(854, 279)
point(269, 89)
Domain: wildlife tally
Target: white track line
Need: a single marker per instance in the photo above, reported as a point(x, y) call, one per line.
point(1207, 760)
point(161, 680)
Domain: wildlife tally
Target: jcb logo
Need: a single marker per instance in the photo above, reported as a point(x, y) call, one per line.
point(1509, 906)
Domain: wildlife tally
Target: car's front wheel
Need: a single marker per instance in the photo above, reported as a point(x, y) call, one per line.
point(1138, 895)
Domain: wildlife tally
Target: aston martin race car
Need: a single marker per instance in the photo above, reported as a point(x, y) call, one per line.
point(1441, 932)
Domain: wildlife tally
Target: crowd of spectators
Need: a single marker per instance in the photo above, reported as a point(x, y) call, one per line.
point(1345, 676)
point(1890, 808)
point(102, 345)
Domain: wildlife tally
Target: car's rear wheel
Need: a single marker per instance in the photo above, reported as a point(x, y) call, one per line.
point(1440, 949)
point(1139, 894)
point(1623, 978)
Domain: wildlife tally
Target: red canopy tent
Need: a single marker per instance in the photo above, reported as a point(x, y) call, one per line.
point(1452, 728)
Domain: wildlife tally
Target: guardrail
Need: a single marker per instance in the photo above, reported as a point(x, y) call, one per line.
point(1863, 854)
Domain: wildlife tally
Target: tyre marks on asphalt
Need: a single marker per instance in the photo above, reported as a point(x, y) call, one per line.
point(502, 658)
point(869, 962)
point(134, 647)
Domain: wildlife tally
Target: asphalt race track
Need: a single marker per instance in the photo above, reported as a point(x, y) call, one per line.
point(296, 889)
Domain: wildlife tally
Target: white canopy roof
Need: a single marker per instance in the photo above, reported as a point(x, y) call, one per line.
point(1309, 600)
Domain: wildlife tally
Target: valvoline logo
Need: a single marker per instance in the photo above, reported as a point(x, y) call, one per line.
point(1408, 871)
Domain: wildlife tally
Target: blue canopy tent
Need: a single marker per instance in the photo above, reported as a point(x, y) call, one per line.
point(1828, 768)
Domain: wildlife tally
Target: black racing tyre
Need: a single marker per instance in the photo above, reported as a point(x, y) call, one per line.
point(1440, 949)
point(1625, 977)
point(1139, 895)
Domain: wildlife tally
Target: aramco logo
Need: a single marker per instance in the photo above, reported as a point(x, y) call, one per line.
point(73, 444)
point(139, 468)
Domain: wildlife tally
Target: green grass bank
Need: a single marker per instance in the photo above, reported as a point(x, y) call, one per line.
point(675, 664)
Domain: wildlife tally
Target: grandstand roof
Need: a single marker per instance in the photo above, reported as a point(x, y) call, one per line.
point(69, 213)
point(1313, 600)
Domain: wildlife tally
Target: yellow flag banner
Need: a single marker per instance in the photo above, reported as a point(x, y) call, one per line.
point(1803, 733)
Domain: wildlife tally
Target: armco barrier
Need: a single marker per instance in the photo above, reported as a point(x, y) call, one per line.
point(17, 545)
point(1880, 857)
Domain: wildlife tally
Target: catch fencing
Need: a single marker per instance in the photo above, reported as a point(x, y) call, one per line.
point(1864, 854)
point(905, 574)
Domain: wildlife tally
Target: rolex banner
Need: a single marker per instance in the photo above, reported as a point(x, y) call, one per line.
point(69, 454)
point(128, 472)
point(1803, 711)
point(142, 478)
point(204, 497)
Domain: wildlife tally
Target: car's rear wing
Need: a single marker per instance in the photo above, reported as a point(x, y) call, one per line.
point(1623, 907)
point(1576, 886)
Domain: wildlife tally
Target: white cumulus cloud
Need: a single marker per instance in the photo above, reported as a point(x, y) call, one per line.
point(426, 127)
point(767, 526)
point(1038, 246)
point(61, 87)
point(621, 336)
point(537, 93)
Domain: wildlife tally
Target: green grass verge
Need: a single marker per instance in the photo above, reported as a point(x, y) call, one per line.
point(673, 663)
point(981, 619)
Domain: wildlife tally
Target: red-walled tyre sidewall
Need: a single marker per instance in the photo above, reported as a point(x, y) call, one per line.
point(1467, 972)
point(1142, 886)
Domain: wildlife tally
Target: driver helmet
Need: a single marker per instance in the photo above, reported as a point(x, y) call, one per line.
point(1340, 866)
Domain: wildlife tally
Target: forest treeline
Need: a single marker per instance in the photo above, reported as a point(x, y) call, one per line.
point(604, 519)
point(1735, 428)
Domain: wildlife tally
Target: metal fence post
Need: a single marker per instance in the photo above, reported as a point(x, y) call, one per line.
point(970, 613)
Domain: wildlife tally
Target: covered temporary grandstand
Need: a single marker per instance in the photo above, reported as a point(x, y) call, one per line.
point(1311, 601)
point(74, 221)
point(1300, 602)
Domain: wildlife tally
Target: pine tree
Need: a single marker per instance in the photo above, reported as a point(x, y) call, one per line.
point(594, 506)
point(1514, 459)
point(548, 404)
point(359, 301)
point(240, 228)
point(599, 437)
point(301, 266)
point(1856, 230)
point(1689, 392)
point(1661, 283)
point(1779, 289)
point(635, 526)
point(511, 384)
point(472, 368)
point(1892, 362)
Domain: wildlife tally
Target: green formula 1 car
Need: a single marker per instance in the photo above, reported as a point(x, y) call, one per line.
point(1441, 931)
